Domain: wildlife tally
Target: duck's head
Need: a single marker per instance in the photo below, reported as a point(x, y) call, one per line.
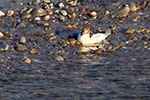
point(86, 30)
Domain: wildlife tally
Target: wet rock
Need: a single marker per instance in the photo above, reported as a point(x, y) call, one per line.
point(21, 25)
point(26, 16)
point(37, 19)
point(22, 40)
point(83, 10)
point(122, 12)
point(107, 12)
point(1, 35)
point(136, 18)
point(61, 5)
point(72, 42)
point(46, 18)
point(133, 7)
point(50, 12)
point(10, 13)
point(59, 58)
point(21, 48)
point(39, 12)
point(63, 12)
point(33, 51)
point(2, 14)
point(62, 18)
point(23, 10)
point(37, 2)
point(93, 14)
point(47, 29)
point(99, 51)
point(27, 61)
point(47, 1)
point(4, 47)
point(28, 11)
point(129, 31)
point(72, 2)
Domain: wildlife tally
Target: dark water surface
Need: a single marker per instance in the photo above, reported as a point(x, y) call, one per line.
point(120, 75)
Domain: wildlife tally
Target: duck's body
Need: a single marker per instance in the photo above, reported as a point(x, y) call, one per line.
point(85, 38)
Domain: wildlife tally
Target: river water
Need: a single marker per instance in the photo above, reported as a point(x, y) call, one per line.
point(120, 75)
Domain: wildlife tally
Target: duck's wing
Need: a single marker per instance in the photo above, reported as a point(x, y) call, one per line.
point(98, 37)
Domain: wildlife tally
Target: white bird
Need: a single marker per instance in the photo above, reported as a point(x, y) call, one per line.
point(86, 38)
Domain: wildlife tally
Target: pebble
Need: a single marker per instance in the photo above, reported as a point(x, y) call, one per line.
point(46, 18)
point(26, 16)
point(4, 47)
point(99, 51)
point(22, 40)
point(27, 61)
point(72, 42)
point(129, 31)
point(59, 58)
point(10, 13)
point(62, 18)
point(47, 1)
point(93, 14)
point(2, 14)
point(28, 11)
point(37, 19)
point(1, 35)
point(33, 51)
point(63, 12)
point(61, 5)
point(107, 12)
point(21, 25)
point(21, 48)
point(39, 12)
point(133, 7)
point(123, 12)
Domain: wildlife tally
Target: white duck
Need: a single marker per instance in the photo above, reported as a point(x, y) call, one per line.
point(86, 39)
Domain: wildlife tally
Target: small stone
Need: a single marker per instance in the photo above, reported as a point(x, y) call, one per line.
point(1, 35)
point(93, 14)
point(4, 47)
point(99, 51)
point(26, 16)
point(37, 19)
point(136, 18)
point(61, 5)
point(83, 10)
point(72, 41)
point(22, 40)
point(50, 12)
point(21, 25)
point(47, 29)
point(10, 13)
point(46, 18)
point(2, 14)
point(63, 12)
point(122, 12)
point(33, 51)
point(21, 48)
point(27, 61)
point(37, 2)
point(133, 7)
point(47, 1)
point(62, 18)
point(28, 11)
point(129, 31)
point(39, 12)
point(107, 12)
point(59, 58)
